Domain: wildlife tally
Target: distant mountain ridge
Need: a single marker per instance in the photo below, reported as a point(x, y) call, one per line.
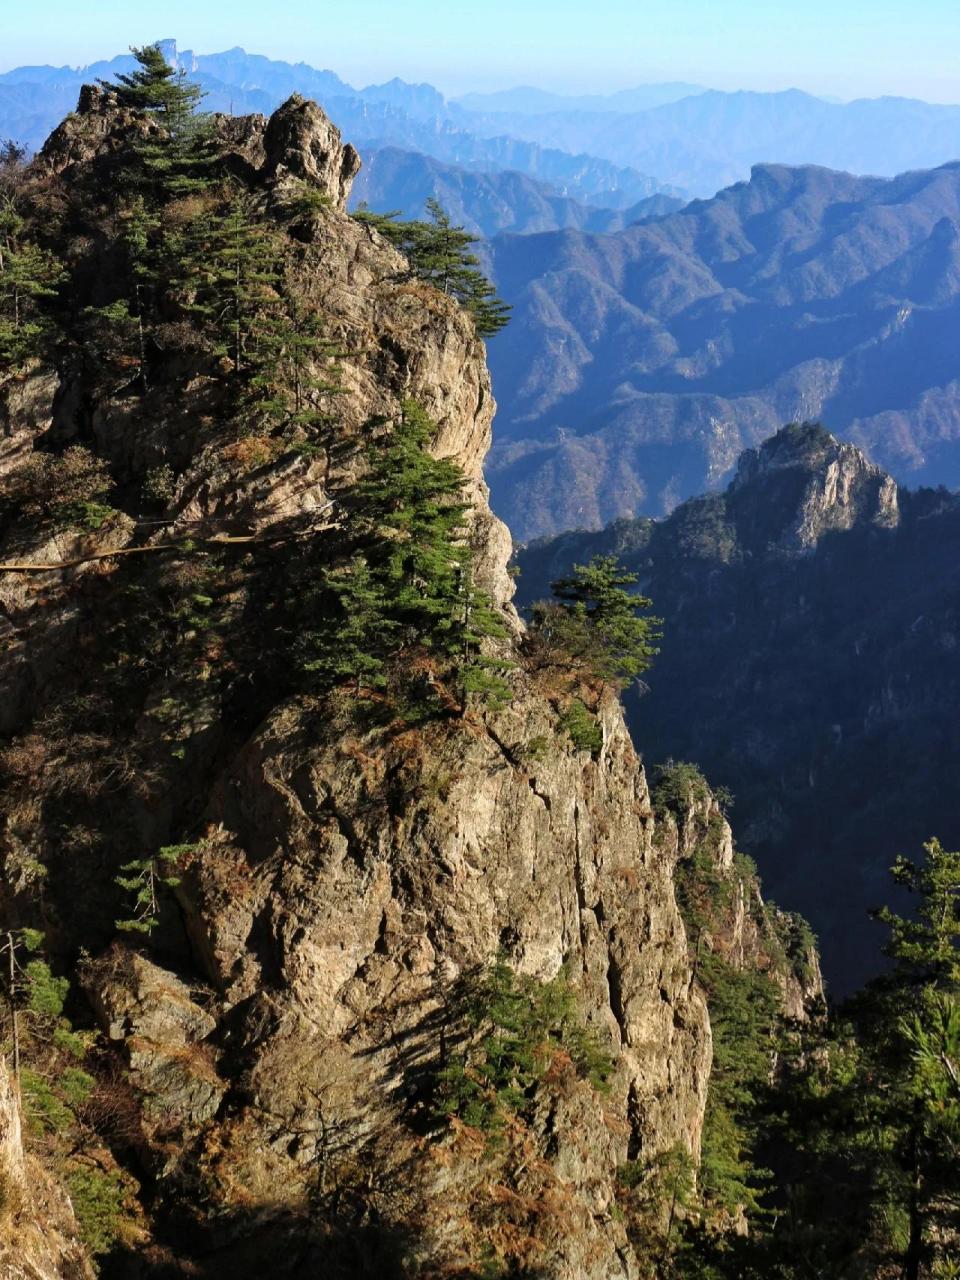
point(639, 365)
point(528, 100)
point(810, 662)
point(487, 204)
point(711, 139)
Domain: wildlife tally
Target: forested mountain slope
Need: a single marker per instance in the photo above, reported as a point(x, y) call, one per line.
point(810, 663)
point(642, 363)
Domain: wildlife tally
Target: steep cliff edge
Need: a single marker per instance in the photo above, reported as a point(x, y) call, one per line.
point(343, 873)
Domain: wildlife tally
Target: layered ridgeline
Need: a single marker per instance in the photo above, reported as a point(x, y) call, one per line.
point(341, 927)
point(487, 203)
point(703, 140)
point(809, 664)
point(641, 364)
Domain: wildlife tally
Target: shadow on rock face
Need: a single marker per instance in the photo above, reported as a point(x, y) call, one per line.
point(343, 1248)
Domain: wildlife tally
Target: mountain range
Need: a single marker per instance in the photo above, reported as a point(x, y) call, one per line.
point(487, 203)
point(811, 618)
point(710, 139)
point(640, 364)
point(676, 137)
point(651, 343)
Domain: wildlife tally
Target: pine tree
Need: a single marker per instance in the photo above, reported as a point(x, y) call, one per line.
point(352, 630)
point(177, 159)
point(155, 86)
point(407, 581)
point(921, 1049)
point(439, 253)
point(29, 274)
point(594, 620)
point(295, 369)
point(410, 512)
point(236, 258)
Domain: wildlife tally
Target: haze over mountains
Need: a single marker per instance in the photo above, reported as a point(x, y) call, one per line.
point(640, 364)
point(711, 139)
point(674, 135)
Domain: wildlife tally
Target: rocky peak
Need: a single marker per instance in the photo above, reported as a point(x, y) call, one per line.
point(300, 140)
point(345, 875)
point(803, 483)
point(297, 142)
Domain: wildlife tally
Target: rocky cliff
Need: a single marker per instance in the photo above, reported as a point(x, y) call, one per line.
point(339, 881)
point(341, 877)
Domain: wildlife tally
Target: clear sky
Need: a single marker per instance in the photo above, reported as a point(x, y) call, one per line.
point(847, 48)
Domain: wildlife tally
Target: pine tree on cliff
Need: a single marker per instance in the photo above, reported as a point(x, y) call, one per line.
point(295, 378)
point(594, 620)
point(178, 160)
point(439, 253)
point(235, 256)
point(155, 86)
point(28, 274)
point(408, 584)
point(411, 514)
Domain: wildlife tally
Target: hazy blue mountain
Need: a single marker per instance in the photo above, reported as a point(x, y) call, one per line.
point(527, 100)
point(639, 365)
point(810, 662)
point(707, 141)
point(485, 203)
point(396, 114)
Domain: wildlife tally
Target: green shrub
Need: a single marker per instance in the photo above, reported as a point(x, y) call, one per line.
point(98, 1204)
point(534, 750)
point(582, 728)
point(677, 785)
point(512, 1027)
point(43, 1105)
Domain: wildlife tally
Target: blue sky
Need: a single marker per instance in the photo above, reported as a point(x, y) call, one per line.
point(848, 48)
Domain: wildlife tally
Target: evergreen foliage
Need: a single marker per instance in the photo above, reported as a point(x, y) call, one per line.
point(595, 621)
point(406, 584)
point(512, 1029)
point(155, 86)
point(582, 728)
point(29, 274)
point(439, 253)
point(860, 1124)
point(143, 879)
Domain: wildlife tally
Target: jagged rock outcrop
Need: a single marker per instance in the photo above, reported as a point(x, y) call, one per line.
point(748, 932)
point(821, 485)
